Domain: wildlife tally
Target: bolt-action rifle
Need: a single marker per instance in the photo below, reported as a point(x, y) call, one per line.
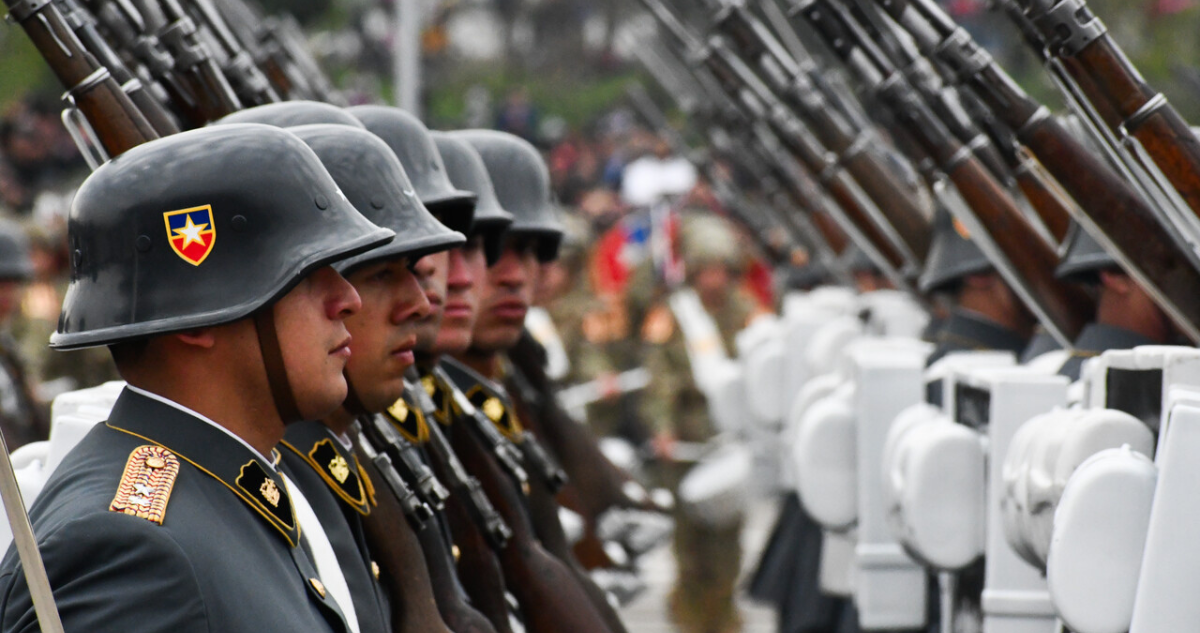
point(995, 220)
point(756, 45)
point(1145, 244)
point(96, 103)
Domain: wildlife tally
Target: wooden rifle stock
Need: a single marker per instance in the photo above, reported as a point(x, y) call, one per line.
point(543, 507)
point(85, 29)
point(1045, 196)
point(754, 42)
point(478, 567)
point(800, 143)
point(1019, 254)
point(248, 81)
point(1106, 76)
point(452, 604)
point(723, 84)
point(131, 35)
point(1118, 217)
point(117, 122)
point(195, 65)
point(402, 561)
point(549, 593)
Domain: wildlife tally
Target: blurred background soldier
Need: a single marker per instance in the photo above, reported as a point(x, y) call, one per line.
point(592, 330)
point(22, 416)
point(986, 313)
point(1125, 315)
point(52, 373)
point(673, 404)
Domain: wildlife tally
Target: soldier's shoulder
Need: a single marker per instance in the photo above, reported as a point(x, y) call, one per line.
point(109, 472)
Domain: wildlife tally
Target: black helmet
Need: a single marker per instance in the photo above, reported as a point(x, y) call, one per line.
point(410, 140)
point(522, 184)
point(291, 114)
point(1085, 258)
point(15, 262)
point(952, 255)
point(467, 171)
point(372, 178)
point(198, 229)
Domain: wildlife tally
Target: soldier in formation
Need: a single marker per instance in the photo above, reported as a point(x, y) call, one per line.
point(343, 416)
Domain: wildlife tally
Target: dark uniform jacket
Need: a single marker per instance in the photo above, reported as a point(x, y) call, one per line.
point(198, 535)
point(1095, 339)
point(340, 494)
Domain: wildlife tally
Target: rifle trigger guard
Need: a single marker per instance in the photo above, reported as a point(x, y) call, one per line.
point(1135, 120)
point(24, 9)
point(1069, 27)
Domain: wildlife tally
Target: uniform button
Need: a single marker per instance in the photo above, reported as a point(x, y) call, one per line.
point(375, 569)
point(318, 585)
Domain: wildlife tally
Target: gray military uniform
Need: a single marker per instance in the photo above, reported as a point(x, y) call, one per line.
point(340, 494)
point(228, 554)
point(1095, 339)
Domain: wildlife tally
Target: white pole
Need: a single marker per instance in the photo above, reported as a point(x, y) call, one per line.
point(406, 63)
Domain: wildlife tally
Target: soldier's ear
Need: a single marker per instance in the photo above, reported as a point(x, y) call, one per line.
point(1117, 281)
point(203, 337)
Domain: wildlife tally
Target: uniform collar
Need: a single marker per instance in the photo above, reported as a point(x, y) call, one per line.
point(973, 331)
point(488, 397)
point(408, 413)
point(1099, 337)
point(202, 418)
point(338, 466)
point(439, 401)
point(213, 450)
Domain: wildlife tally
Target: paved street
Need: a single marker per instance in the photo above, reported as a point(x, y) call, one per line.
point(648, 613)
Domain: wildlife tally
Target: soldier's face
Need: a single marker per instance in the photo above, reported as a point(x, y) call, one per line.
point(314, 341)
point(431, 272)
point(384, 331)
point(506, 296)
point(467, 268)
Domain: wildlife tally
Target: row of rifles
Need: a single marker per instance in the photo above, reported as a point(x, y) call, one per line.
point(138, 70)
point(858, 118)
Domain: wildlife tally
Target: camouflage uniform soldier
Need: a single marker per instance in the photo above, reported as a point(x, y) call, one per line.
point(673, 405)
point(594, 330)
point(22, 417)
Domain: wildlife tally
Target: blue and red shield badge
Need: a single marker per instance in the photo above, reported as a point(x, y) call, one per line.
point(191, 233)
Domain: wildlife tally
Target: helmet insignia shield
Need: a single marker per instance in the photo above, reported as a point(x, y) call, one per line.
point(191, 233)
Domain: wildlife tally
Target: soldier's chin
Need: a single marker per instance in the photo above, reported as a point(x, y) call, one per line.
point(315, 404)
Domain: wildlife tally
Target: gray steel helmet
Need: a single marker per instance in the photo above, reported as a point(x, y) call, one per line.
point(522, 183)
point(1085, 258)
point(367, 171)
point(467, 172)
point(413, 145)
point(201, 228)
point(291, 114)
point(952, 255)
point(15, 262)
point(855, 260)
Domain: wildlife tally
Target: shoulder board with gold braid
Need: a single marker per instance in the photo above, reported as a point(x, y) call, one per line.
point(146, 483)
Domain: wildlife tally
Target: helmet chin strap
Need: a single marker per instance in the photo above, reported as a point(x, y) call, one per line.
point(277, 378)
